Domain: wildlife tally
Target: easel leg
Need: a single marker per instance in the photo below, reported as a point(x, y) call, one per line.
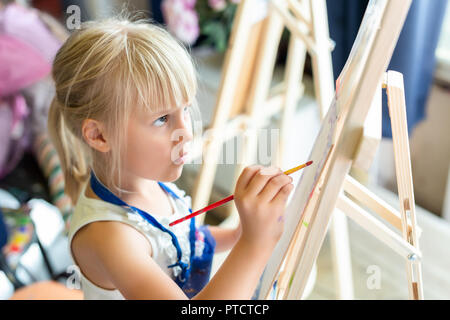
point(342, 262)
point(397, 111)
point(323, 84)
point(259, 90)
point(234, 57)
point(258, 94)
point(294, 70)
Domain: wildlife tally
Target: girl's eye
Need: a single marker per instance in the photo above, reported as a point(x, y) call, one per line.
point(160, 121)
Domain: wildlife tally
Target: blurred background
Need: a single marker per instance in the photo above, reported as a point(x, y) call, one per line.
point(35, 212)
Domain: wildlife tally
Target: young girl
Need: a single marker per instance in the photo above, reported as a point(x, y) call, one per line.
point(122, 121)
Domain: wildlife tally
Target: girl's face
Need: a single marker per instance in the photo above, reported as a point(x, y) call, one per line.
point(155, 143)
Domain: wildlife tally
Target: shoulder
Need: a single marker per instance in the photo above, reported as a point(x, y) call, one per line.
point(96, 246)
point(103, 235)
point(119, 260)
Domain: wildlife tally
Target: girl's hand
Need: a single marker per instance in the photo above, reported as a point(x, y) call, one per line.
point(260, 197)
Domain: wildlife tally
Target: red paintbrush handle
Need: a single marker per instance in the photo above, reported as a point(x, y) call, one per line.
point(210, 207)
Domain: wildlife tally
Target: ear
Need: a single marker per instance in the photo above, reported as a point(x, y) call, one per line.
point(94, 135)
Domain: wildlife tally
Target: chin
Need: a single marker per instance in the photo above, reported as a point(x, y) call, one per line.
point(174, 174)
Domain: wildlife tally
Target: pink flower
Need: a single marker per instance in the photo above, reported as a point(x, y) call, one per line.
point(181, 19)
point(171, 8)
point(189, 3)
point(217, 5)
point(186, 28)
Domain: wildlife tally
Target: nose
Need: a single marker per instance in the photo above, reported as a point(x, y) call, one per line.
point(183, 129)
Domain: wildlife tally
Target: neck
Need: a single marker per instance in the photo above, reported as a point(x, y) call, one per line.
point(139, 186)
point(133, 186)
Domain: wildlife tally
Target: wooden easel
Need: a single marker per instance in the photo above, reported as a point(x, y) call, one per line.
point(355, 196)
point(336, 149)
point(244, 95)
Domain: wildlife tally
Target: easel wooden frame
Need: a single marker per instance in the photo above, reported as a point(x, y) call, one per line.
point(335, 148)
point(357, 195)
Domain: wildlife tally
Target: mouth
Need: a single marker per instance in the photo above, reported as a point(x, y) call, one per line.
point(181, 160)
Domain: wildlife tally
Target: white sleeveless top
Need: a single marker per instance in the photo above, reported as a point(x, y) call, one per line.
point(89, 210)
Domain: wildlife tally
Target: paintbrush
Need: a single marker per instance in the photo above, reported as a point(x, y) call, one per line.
point(229, 198)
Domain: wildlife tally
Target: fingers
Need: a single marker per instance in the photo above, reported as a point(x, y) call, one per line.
point(283, 194)
point(280, 183)
point(246, 176)
point(261, 178)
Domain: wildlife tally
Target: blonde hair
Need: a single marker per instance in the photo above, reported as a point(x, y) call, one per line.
point(104, 71)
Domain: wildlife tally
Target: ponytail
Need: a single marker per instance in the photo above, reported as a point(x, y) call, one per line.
point(73, 154)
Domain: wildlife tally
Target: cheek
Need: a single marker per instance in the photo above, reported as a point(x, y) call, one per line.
point(147, 154)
